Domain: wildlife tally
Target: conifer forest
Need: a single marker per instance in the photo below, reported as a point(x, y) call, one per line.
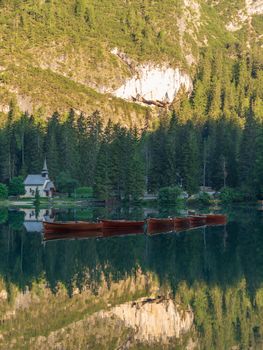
point(212, 138)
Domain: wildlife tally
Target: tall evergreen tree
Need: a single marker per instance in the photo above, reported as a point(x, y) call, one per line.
point(68, 145)
point(247, 151)
point(52, 145)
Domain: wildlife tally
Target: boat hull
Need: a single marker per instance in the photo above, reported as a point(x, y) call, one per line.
point(122, 224)
point(158, 225)
point(72, 226)
point(197, 221)
point(216, 219)
point(182, 222)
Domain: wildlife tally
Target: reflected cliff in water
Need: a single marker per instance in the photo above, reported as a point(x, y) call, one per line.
point(197, 289)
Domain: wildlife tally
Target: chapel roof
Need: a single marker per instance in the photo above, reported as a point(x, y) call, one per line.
point(35, 180)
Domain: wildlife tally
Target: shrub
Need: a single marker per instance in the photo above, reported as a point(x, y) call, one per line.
point(66, 184)
point(170, 195)
point(84, 192)
point(201, 198)
point(230, 195)
point(3, 215)
point(204, 198)
point(3, 191)
point(16, 186)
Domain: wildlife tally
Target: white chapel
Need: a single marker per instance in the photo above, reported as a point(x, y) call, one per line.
point(41, 182)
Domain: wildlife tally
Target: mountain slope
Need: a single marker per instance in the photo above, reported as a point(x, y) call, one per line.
point(56, 55)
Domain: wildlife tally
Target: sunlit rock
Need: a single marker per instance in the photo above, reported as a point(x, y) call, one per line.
point(254, 7)
point(251, 8)
point(152, 84)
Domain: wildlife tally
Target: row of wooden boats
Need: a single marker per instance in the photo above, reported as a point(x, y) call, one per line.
point(149, 225)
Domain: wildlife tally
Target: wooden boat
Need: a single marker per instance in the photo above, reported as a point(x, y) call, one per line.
point(53, 236)
point(182, 222)
point(122, 224)
point(216, 219)
point(197, 220)
point(156, 224)
point(72, 226)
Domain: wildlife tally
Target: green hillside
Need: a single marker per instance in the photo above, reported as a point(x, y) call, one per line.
point(55, 55)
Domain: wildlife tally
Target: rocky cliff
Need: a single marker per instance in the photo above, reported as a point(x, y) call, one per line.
point(154, 85)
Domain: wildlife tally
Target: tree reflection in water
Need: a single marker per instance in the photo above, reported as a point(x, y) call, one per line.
point(214, 273)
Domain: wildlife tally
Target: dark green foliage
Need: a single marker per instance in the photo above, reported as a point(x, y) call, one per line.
point(16, 186)
point(66, 184)
point(52, 143)
point(158, 145)
point(119, 169)
point(204, 198)
point(3, 191)
point(89, 139)
point(37, 202)
point(102, 183)
point(190, 172)
point(230, 195)
point(84, 192)
point(170, 195)
point(3, 215)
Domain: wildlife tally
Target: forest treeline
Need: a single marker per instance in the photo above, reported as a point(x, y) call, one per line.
point(214, 138)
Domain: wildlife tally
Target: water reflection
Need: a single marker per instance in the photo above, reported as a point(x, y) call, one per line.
point(33, 218)
point(209, 279)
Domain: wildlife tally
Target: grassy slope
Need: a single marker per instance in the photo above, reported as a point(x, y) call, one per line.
point(53, 55)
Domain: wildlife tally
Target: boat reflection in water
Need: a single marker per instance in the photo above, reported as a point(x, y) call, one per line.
point(111, 228)
point(202, 289)
point(103, 233)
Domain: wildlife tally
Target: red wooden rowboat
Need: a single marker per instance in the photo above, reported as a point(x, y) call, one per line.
point(122, 224)
point(197, 220)
point(216, 219)
point(72, 226)
point(182, 222)
point(156, 224)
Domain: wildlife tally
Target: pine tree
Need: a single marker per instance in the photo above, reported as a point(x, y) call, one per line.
point(52, 140)
point(200, 101)
point(243, 78)
point(215, 99)
point(102, 176)
point(205, 69)
point(258, 167)
point(247, 151)
point(190, 159)
point(172, 152)
point(34, 146)
point(68, 145)
point(10, 142)
point(135, 177)
point(158, 158)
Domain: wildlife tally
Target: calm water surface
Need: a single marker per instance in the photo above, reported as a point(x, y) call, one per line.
point(201, 289)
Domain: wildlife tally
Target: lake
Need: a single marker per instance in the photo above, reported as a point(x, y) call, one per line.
point(199, 289)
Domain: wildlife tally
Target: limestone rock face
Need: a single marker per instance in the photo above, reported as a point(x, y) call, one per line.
point(254, 7)
point(151, 84)
point(251, 8)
